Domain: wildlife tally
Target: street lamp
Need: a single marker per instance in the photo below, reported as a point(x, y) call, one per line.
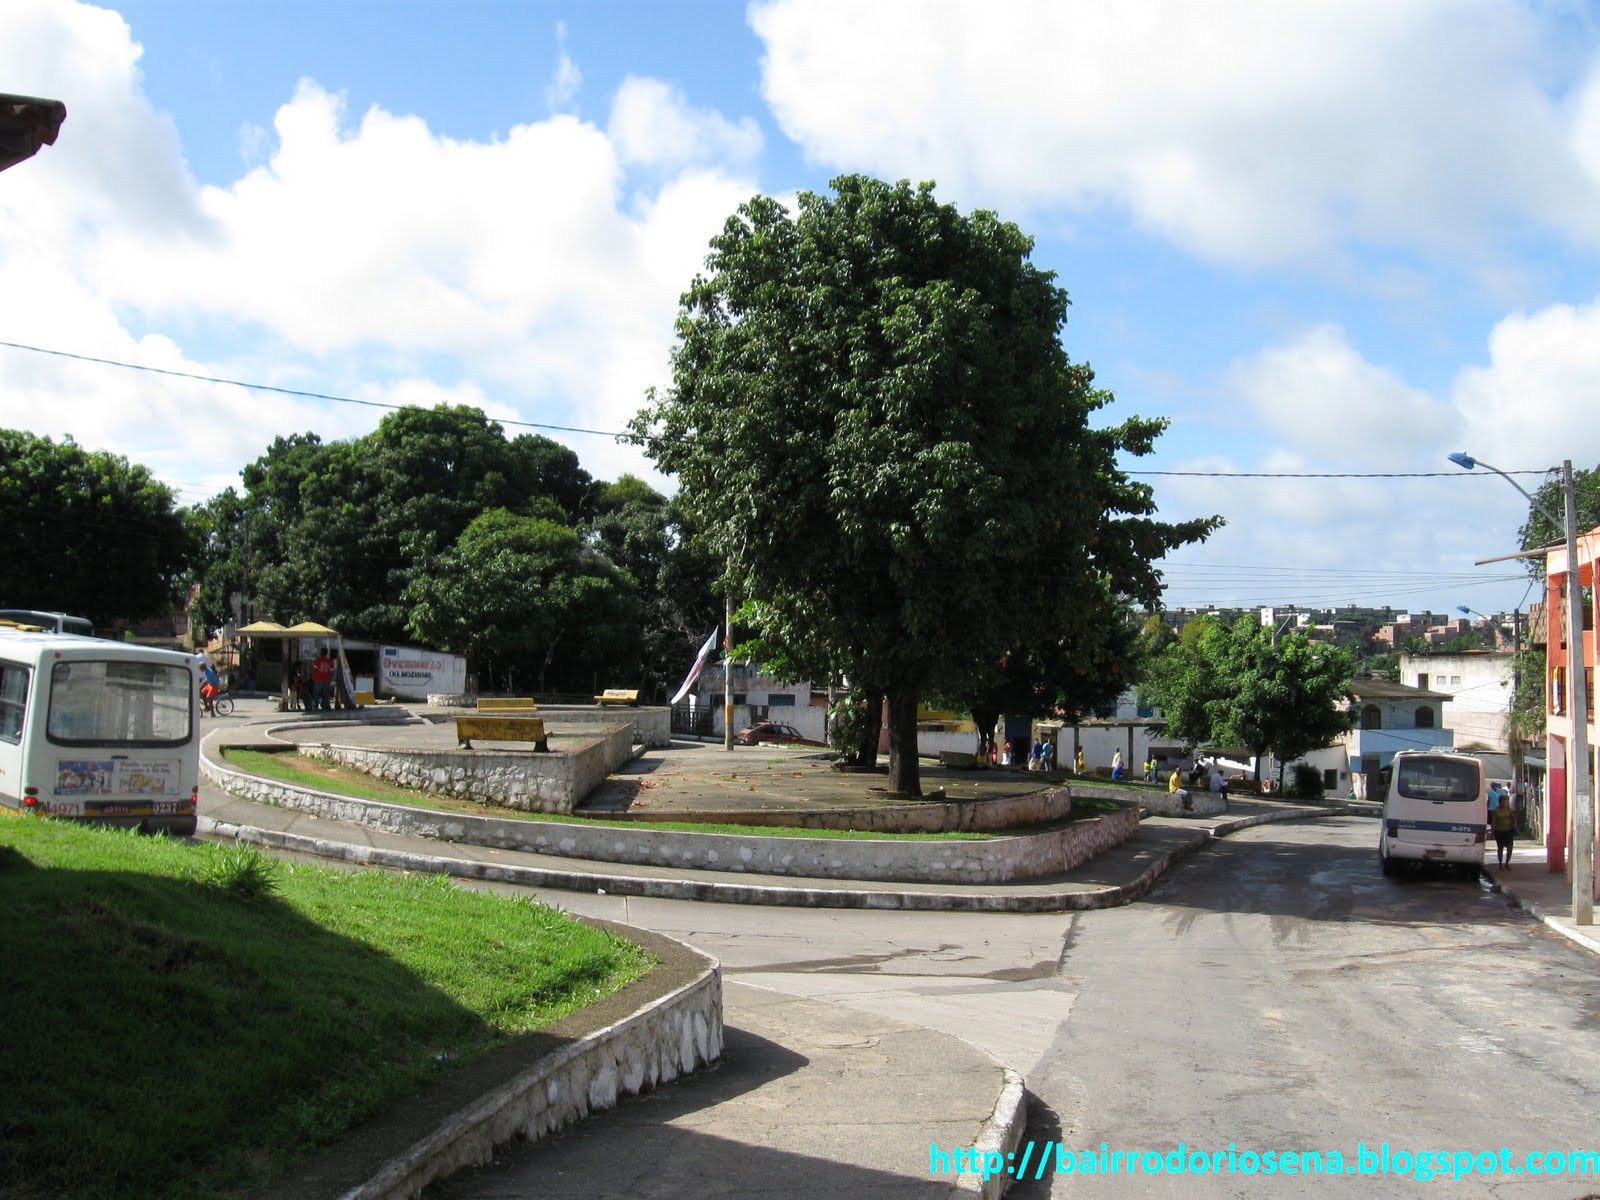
point(1580, 798)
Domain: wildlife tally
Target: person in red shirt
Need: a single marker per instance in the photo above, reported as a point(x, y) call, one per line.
point(322, 681)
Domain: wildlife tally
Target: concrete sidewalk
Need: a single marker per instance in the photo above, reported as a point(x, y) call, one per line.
point(1543, 894)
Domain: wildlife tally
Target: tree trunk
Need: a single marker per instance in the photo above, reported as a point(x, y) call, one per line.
point(904, 775)
point(866, 751)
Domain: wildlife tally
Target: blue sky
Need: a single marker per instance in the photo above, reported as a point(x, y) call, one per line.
point(1319, 237)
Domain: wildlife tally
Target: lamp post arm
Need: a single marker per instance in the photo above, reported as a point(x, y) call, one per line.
point(1558, 522)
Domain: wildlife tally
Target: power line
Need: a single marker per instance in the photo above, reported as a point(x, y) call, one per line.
point(333, 399)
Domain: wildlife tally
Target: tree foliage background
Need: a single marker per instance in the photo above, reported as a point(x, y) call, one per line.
point(875, 426)
point(1223, 684)
point(88, 533)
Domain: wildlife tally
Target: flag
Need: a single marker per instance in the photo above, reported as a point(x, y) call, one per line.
point(699, 665)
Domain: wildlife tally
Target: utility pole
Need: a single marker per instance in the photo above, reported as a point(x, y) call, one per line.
point(1578, 706)
point(727, 671)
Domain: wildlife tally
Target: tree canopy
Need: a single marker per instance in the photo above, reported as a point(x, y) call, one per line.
point(340, 529)
point(1236, 685)
point(876, 428)
point(88, 533)
point(1539, 530)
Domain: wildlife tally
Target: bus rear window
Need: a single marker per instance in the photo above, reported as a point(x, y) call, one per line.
point(1436, 780)
point(114, 703)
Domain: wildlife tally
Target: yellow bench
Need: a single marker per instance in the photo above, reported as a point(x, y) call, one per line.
point(618, 696)
point(502, 729)
point(506, 704)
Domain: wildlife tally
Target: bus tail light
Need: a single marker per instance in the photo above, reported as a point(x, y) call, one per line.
point(30, 797)
point(1483, 833)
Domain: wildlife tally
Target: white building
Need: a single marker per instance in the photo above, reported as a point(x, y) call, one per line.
point(1478, 687)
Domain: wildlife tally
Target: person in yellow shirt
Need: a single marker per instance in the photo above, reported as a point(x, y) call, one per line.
point(1077, 762)
point(1175, 780)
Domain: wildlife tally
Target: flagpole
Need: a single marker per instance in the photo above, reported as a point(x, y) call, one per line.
point(727, 671)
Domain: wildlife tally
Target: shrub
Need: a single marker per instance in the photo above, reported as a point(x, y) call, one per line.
point(241, 870)
point(1307, 782)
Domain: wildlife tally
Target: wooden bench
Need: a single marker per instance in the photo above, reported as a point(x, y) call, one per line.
point(628, 696)
point(502, 729)
point(506, 704)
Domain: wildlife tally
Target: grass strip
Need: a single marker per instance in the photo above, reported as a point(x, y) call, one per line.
point(298, 769)
point(189, 1020)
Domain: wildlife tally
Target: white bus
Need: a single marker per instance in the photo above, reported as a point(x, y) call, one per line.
point(1435, 809)
point(100, 731)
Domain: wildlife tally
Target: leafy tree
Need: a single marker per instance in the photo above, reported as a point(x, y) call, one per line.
point(87, 532)
point(1539, 530)
point(523, 595)
point(341, 529)
point(1237, 685)
point(221, 529)
point(649, 539)
point(874, 422)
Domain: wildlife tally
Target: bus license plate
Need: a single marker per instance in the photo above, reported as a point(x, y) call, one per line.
point(1433, 853)
point(65, 808)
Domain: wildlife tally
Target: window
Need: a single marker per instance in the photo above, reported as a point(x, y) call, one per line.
point(1330, 779)
point(1437, 780)
point(1371, 717)
point(1424, 717)
point(13, 701)
point(780, 700)
point(1422, 681)
point(110, 703)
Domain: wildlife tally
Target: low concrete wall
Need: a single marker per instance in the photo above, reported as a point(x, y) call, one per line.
point(993, 815)
point(1168, 804)
point(663, 1029)
point(989, 860)
point(522, 780)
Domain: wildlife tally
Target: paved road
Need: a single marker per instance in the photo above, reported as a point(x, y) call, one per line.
point(1277, 993)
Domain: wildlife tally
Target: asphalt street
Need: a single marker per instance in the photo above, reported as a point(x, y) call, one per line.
point(1275, 993)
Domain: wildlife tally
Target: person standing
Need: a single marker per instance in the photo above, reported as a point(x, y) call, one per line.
point(1116, 765)
point(322, 681)
point(1077, 761)
point(1503, 822)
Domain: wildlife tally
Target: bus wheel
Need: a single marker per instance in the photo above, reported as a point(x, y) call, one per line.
point(1387, 863)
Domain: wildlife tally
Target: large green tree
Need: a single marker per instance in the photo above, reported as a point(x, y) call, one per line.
point(523, 596)
point(1239, 685)
point(87, 532)
point(340, 529)
point(874, 422)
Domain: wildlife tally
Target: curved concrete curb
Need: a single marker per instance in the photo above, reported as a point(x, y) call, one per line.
point(662, 1026)
point(1001, 1134)
point(1565, 928)
point(673, 888)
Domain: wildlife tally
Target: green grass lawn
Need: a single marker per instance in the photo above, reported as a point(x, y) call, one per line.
point(188, 1020)
point(303, 771)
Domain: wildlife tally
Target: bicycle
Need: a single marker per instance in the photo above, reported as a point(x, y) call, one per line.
point(221, 705)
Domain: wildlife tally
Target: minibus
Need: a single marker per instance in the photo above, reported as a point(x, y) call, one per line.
point(98, 731)
point(1435, 809)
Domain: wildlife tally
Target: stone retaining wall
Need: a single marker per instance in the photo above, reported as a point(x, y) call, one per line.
point(988, 860)
point(522, 780)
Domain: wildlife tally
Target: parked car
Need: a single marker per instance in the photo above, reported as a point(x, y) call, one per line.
point(771, 731)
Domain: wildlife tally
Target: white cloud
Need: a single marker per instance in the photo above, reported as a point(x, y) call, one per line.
point(1243, 130)
point(653, 124)
point(358, 258)
point(1534, 403)
point(1320, 397)
point(563, 87)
